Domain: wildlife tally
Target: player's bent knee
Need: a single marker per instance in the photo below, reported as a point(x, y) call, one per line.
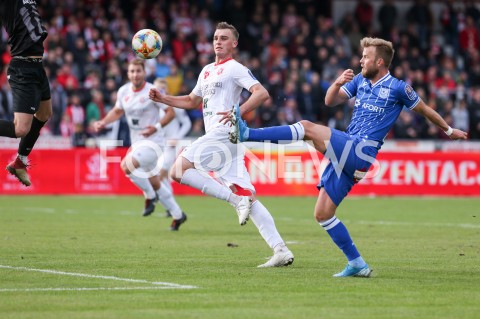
point(176, 174)
point(21, 131)
point(45, 111)
point(321, 215)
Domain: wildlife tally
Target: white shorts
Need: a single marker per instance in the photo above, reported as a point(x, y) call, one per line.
point(213, 152)
point(149, 157)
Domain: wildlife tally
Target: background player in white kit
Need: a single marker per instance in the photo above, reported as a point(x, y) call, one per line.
point(219, 87)
point(177, 129)
point(148, 139)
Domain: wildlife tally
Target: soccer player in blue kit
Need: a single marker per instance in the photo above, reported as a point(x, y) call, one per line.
point(380, 98)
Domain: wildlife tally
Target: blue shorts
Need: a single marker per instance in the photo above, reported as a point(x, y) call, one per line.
point(338, 177)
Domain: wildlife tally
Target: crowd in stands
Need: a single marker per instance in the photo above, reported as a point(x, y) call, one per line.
point(292, 47)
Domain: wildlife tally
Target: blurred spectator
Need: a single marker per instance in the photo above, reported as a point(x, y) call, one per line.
point(338, 121)
point(182, 23)
point(74, 120)
point(267, 114)
point(95, 111)
point(387, 16)
point(469, 37)
point(204, 44)
point(59, 105)
point(180, 46)
point(290, 112)
point(449, 22)
point(67, 79)
point(474, 114)
point(405, 127)
point(6, 103)
point(174, 80)
point(310, 102)
point(471, 10)
point(364, 15)
point(460, 116)
point(162, 67)
point(421, 16)
point(203, 23)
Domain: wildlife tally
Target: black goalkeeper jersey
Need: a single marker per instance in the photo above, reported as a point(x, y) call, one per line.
point(24, 27)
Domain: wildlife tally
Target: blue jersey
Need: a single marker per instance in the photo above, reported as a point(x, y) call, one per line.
point(377, 106)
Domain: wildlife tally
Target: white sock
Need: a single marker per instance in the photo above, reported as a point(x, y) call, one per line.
point(144, 185)
point(207, 185)
point(165, 196)
point(298, 131)
point(167, 183)
point(266, 226)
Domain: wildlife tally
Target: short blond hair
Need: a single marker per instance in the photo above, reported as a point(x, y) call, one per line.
point(384, 49)
point(224, 25)
point(140, 62)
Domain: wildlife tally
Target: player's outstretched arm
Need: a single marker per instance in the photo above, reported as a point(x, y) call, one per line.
point(188, 102)
point(334, 95)
point(435, 118)
point(113, 115)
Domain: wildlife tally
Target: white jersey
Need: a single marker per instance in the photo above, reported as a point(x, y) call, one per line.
point(140, 112)
point(220, 86)
point(179, 126)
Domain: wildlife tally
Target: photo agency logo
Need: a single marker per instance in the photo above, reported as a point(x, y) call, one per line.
point(273, 161)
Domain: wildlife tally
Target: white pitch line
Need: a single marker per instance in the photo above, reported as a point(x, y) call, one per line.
point(85, 289)
point(39, 210)
point(55, 272)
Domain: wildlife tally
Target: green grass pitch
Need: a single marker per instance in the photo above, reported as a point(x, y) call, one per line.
point(97, 257)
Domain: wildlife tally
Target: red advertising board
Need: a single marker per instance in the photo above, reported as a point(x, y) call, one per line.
point(89, 171)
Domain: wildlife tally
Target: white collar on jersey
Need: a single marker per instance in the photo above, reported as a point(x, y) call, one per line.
point(383, 79)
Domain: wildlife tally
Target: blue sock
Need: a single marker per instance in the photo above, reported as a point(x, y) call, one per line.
point(276, 134)
point(340, 236)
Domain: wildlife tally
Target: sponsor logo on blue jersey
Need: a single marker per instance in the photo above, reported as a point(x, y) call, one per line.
point(410, 92)
point(373, 108)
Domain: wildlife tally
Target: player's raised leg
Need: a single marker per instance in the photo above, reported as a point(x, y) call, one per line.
point(303, 130)
point(240, 132)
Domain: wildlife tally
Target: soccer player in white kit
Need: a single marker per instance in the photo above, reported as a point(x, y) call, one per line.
point(219, 87)
point(148, 139)
point(177, 129)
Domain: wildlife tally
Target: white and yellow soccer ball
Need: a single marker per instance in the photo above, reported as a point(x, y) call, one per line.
point(147, 44)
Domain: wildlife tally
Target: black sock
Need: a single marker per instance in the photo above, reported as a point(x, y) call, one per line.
point(7, 128)
point(27, 142)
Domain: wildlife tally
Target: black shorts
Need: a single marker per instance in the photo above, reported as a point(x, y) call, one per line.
point(29, 84)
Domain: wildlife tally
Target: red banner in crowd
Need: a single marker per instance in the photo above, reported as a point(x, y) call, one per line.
point(89, 171)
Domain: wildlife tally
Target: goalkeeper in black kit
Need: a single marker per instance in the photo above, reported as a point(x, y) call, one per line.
point(32, 105)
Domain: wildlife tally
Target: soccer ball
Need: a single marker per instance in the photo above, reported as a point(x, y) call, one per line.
point(147, 44)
